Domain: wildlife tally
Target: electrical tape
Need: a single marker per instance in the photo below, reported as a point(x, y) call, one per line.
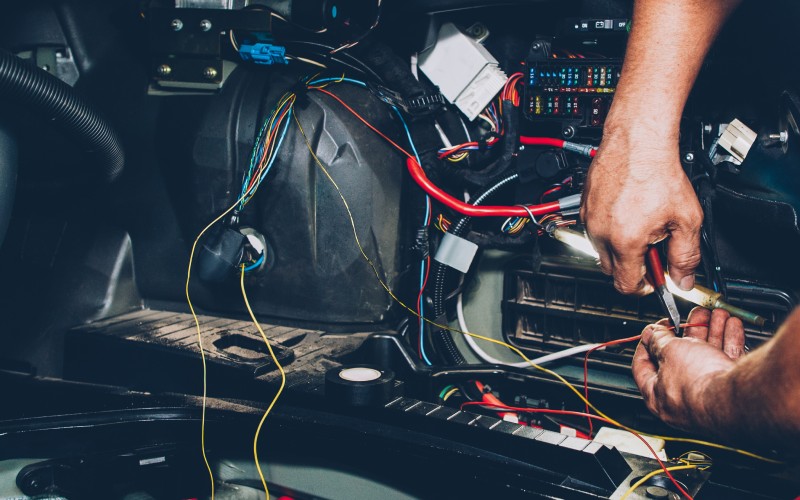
point(360, 385)
point(456, 252)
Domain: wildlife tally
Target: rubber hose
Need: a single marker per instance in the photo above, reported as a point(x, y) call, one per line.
point(45, 94)
point(443, 337)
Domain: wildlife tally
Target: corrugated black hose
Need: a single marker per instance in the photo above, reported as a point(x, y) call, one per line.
point(44, 94)
point(443, 339)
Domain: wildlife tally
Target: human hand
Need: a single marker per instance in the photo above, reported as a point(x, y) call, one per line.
point(636, 196)
point(677, 375)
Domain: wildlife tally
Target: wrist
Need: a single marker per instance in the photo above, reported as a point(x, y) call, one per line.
point(642, 129)
point(644, 119)
point(711, 403)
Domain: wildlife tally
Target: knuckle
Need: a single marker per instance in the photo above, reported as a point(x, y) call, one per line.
point(626, 286)
point(688, 259)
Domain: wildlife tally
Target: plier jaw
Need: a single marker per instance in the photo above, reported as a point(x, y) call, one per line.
point(656, 276)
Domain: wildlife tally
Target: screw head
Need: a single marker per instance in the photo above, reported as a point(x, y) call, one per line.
point(210, 73)
point(688, 157)
point(536, 46)
point(164, 70)
point(176, 25)
point(568, 132)
point(205, 25)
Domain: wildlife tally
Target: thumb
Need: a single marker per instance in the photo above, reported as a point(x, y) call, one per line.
point(683, 255)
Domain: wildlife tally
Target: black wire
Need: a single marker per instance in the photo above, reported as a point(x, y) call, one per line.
point(342, 58)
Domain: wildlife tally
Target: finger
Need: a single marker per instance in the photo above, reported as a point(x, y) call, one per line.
point(629, 270)
point(645, 373)
point(683, 248)
point(656, 341)
point(716, 327)
point(733, 338)
point(701, 316)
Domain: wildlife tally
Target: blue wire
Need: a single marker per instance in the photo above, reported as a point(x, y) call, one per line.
point(274, 156)
point(255, 264)
point(278, 147)
point(427, 222)
point(348, 80)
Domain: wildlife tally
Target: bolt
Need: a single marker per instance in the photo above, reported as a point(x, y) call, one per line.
point(522, 148)
point(568, 132)
point(205, 25)
point(708, 128)
point(688, 157)
point(46, 67)
point(176, 24)
point(536, 46)
point(210, 73)
point(164, 70)
point(783, 136)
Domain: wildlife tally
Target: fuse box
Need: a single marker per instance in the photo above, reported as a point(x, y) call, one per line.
point(575, 91)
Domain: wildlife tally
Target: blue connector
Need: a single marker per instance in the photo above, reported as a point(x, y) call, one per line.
point(263, 53)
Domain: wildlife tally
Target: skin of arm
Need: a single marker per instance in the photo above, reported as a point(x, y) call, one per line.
point(637, 192)
point(703, 382)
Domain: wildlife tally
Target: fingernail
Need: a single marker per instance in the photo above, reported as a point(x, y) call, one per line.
point(687, 282)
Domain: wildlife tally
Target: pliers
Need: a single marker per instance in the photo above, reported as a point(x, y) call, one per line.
point(655, 274)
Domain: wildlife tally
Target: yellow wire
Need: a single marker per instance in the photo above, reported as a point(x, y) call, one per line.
point(277, 395)
point(450, 393)
point(200, 338)
point(498, 342)
point(653, 474)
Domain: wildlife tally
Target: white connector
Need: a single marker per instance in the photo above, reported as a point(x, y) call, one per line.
point(465, 72)
point(737, 139)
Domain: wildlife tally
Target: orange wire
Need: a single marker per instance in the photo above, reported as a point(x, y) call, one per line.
point(365, 122)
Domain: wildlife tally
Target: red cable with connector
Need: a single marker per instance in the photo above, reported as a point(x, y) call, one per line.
point(582, 149)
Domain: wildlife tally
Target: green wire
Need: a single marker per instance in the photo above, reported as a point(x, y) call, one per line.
point(444, 391)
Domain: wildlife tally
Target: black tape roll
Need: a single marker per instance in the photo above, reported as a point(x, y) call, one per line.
point(360, 385)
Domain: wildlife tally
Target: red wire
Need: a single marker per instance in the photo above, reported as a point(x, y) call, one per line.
point(419, 297)
point(365, 122)
point(441, 196)
point(549, 191)
point(587, 415)
point(471, 210)
point(270, 140)
point(456, 149)
point(607, 344)
point(490, 398)
point(586, 370)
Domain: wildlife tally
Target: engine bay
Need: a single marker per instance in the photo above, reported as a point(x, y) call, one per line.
point(345, 237)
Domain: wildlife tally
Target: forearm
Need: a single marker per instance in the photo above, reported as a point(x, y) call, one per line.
point(668, 42)
point(757, 403)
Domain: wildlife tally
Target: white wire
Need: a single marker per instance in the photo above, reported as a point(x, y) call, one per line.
point(466, 129)
point(490, 122)
point(566, 353)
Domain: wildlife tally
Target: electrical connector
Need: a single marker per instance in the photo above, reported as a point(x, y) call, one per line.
point(263, 53)
point(737, 139)
point(463, 69)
